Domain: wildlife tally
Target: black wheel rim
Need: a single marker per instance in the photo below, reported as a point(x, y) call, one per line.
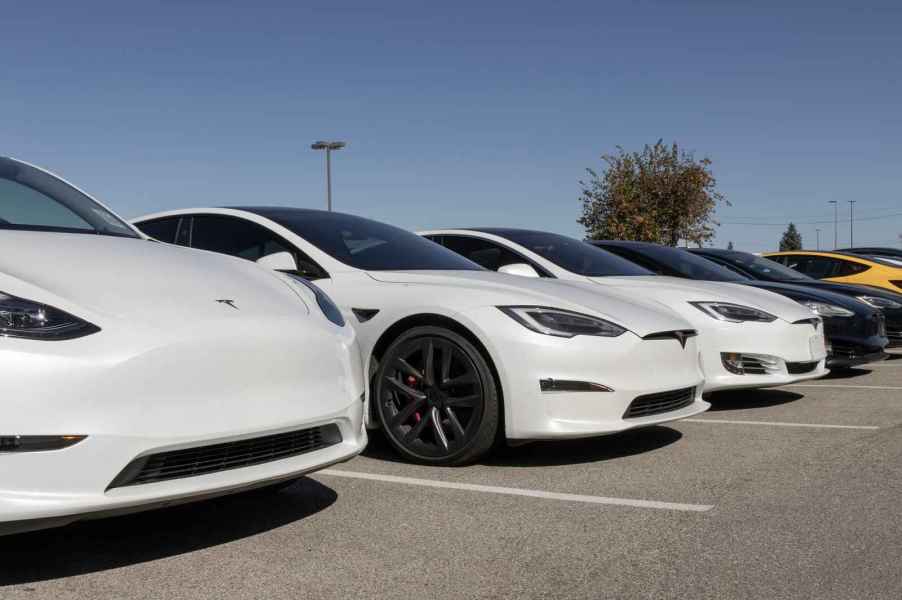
point(431, 397)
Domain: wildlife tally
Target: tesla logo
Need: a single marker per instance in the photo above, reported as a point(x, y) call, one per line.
point(228, 302)
point(682, 336)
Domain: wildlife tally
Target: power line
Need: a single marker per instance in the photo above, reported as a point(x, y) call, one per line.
point(825, 222)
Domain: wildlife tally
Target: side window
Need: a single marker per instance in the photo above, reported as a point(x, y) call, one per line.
point(237, 237)
point(818, 267)
point(161, 229)
point(484, 253)
point(845, 268)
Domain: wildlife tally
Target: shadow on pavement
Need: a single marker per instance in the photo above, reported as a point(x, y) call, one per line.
point(588, 450)
point(91, 546)
point(553, 453)
point(848, 373)
point(744, 399)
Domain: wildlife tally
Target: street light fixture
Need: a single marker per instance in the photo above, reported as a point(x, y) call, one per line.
point(328, 147)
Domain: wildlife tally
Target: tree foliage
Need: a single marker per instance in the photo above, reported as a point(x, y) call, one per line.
point(662, 194)
point(791, 240)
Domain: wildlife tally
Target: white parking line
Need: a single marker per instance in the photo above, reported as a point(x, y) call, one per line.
point(780, 424)
point(491, 489)
point(837, 386)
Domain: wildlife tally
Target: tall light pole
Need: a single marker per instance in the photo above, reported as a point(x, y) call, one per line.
point(835, 221)
point(328, 147)
point(818, 238)
point(852, 223)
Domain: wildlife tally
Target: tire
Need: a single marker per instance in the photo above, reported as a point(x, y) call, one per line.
point(442, 410)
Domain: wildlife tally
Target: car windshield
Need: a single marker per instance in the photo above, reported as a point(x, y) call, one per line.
point(368, 245)
point(573, 255)
point(33, 200)
point(764, 268)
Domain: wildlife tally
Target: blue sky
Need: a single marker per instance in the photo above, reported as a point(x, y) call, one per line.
point(462, 113)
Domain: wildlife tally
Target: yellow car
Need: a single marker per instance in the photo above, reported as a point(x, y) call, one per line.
point(843, 267)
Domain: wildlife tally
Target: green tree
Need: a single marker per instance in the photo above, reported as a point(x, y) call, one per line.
point(791, 240)
point(729, 245)
point(662, 194)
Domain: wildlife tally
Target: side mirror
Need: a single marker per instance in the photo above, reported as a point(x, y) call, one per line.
point(521, 269)
point(279, 261)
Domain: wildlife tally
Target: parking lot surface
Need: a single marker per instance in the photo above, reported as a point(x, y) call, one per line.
point(785, 493)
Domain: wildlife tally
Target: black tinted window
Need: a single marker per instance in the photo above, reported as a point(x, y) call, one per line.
point(244, 239)
point(368, 245)
point(485, 253)
point(845, 268)
point(573, 255)
point(161, 229)
point(676, 262)
point(818, 267)
point(760, 267)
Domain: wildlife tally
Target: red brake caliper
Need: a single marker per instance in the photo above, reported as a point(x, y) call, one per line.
point(412, 382)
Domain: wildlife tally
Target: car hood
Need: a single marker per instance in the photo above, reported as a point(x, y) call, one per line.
point(481, 288)
point(801, 293)
point(668, 290)
point(139, 280)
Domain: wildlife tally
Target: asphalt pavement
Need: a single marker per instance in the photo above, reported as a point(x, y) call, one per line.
point(785, 493)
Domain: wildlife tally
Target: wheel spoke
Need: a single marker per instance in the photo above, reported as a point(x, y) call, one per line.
point(437, 426)
point(446, 364)
point(405, 389)
point(406, 412)
point(456, 427)
point(408, 368)
point(463, 401)
point(415, 431)
point(459, 380)
point(429, 362)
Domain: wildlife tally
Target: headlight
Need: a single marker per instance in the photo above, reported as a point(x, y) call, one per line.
point(330, 310)
point(822, 309)
point(734, 313)
point(877, 302)
point(561, 323)
point(21, 318)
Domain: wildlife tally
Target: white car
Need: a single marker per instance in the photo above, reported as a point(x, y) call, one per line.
point(749, 338)
point(459, 356)
point(135, 374)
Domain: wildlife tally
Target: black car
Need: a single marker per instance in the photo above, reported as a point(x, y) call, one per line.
point(764, 269)
point(878, 251)
point(856, 332)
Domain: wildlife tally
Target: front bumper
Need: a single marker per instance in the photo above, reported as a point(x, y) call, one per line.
point(786, 342)
point(134, 395)
point(629, 366)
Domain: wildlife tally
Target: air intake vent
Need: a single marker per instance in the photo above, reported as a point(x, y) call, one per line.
point(800, 368)
point(202, 460)
point(662, 402)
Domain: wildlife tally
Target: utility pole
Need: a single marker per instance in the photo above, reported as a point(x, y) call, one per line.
point(328, 147)
point(852, 223)
point(818, 238)
point(835, 221)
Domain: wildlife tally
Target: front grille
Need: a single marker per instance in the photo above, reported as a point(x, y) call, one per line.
point(202, 460)
point(799, 368)
point(662, 402)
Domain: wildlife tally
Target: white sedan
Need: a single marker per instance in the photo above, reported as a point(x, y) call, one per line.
point(459, 356)
point(749, 338)
point(136, 374)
